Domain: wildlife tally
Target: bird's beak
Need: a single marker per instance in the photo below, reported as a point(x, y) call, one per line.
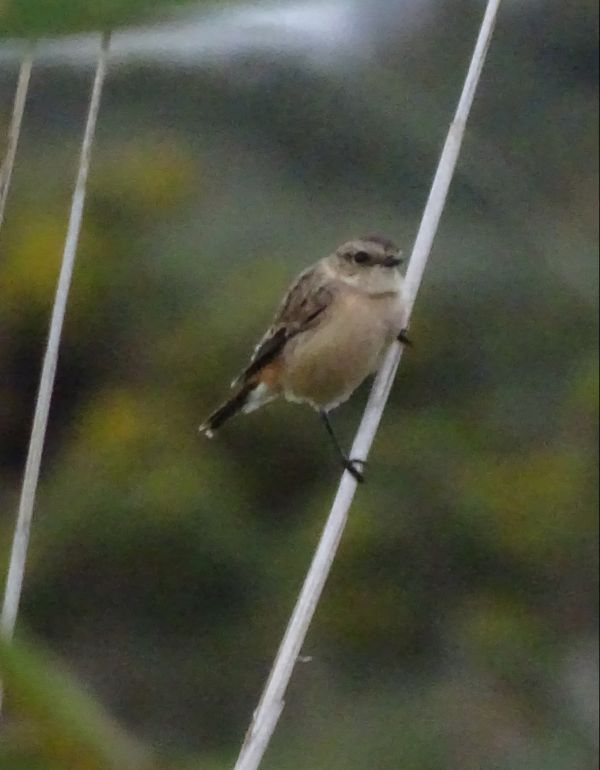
point(392, 261)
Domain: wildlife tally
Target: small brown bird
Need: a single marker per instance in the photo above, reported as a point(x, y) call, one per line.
point(331, 332)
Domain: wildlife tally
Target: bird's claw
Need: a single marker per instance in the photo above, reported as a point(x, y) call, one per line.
point(405, 339)
point(351, 467)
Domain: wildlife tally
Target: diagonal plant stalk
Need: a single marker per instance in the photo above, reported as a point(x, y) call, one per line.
point(271, 704)
point(14, 129)
point(18, 555)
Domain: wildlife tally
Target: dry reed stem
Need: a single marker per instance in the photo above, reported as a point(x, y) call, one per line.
point(18, 555)
point(271, 704)
point(14, 129)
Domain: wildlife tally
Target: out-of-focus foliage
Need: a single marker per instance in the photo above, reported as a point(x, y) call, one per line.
point(33, 18)
point(60, 726)
point(458, 628)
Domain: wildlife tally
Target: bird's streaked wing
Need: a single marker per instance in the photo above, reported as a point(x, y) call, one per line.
point(302, 308)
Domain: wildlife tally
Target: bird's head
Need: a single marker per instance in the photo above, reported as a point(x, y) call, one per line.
point(370, 263)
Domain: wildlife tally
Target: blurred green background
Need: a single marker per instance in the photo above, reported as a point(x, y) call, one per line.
point(458, 630)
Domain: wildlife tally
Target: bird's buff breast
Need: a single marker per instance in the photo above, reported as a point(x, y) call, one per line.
point(325, 365)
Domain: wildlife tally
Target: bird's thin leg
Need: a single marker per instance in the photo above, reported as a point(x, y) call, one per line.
point(349, 465)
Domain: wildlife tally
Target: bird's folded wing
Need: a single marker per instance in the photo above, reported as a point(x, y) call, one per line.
point(302, 308)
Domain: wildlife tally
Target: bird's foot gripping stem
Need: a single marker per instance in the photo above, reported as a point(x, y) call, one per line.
point(356, 468)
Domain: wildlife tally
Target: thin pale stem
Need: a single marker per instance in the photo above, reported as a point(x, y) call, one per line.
point(271, 704)
point(16, 569)
point(14, 129)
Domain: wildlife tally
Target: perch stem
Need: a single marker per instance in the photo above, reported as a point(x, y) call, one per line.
point(272, 703)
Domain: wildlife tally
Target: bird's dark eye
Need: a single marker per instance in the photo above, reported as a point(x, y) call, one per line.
point(361, 256)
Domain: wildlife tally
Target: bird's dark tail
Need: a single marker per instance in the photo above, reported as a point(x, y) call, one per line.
point(229, 408)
